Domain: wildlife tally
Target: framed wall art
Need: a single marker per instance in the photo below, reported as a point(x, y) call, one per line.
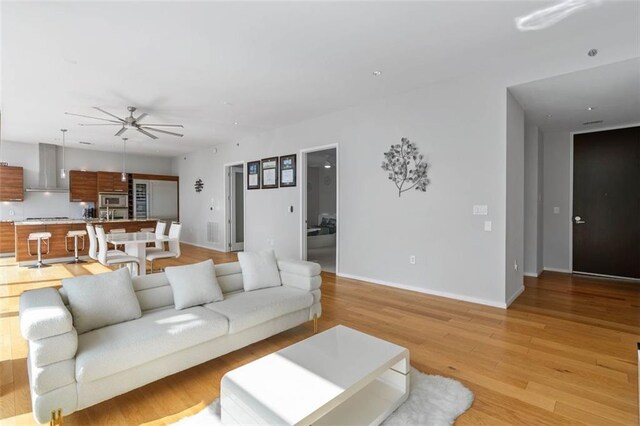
point(288, 170)
point(270, 173)
point(253, 175)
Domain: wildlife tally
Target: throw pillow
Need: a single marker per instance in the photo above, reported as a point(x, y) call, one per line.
point(100, 300)
point(194, 284)
point(259, 270)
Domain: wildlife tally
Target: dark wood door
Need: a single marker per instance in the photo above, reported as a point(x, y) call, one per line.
point(606, 202)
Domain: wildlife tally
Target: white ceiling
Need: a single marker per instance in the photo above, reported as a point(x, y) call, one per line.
point(612, 90)
point(273, 63)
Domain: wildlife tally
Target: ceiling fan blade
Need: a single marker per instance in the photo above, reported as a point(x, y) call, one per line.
point(108, 113)
point(121, 131)
point(164, 125)
point(146, 133)
point(95, 118)
point(143, 115)
point(163, 131)
point(100, 124)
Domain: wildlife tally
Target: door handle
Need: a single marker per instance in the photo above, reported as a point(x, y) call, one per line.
point(579, 220)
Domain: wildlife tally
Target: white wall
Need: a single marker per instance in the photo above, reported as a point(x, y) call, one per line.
point(533, 195)
point(515, 199)
point(458, 125)
point(39, 204)
point(557, 192)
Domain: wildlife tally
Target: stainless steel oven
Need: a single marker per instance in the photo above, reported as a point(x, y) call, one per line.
point(113, 201)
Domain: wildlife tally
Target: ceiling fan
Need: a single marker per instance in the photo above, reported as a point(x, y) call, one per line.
point(129, 122)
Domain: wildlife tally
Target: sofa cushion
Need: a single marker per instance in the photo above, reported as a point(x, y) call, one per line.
point(119, 347)
point(248, 309)
point(100, 300)
point(194, 284)
point(259, 270)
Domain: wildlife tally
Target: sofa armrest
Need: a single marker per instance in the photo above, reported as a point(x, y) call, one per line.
point(299, 267)
point(43, 314)
point(300, 274)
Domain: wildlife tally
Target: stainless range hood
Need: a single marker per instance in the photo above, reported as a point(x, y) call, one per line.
point(48, 170)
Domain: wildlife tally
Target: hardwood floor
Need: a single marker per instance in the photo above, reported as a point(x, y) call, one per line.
point(564, 353)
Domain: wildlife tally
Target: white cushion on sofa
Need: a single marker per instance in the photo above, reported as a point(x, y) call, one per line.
point(259, 270)
point(116, 348)
point(100, 300)
point(248, 309)
point(194, 284)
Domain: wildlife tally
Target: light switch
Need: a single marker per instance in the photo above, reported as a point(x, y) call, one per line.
point(487, 225)
point(480, 210)
point(556, 210)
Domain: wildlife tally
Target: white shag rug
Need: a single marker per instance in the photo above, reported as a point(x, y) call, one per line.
point(433, 401)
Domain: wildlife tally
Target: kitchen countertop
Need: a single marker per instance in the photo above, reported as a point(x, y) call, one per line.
point(78, 221)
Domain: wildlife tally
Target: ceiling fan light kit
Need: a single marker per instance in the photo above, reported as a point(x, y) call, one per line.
point(129, 123)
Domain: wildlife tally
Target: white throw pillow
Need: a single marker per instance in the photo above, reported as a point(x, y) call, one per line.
point(194, 284)
point(100, 300)
point(259, 270)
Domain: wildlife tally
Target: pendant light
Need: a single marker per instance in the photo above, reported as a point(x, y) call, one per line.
point(63, 171)
point(123, 176)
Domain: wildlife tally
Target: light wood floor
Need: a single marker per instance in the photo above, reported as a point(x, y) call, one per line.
point(564, 353)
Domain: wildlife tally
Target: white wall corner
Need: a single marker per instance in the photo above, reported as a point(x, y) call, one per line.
point(514, 296)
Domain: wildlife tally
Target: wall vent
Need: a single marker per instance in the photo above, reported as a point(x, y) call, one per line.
point(589, 123)
point(212, 232)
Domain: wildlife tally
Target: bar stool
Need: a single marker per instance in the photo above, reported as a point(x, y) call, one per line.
point(42, 238)
point(75, 235)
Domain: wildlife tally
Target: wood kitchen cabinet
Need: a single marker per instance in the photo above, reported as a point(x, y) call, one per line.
point(110, 182)
point(83, 186)
point(7, 237)
point(11, 183)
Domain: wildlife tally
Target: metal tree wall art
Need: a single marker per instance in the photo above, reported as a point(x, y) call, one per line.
point(406, 167)
point(199, 185)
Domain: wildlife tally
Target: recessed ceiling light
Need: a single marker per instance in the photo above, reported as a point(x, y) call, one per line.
point(591, 108)
point(235, 123)
point(377, 73)
point(549, 115)
point(227, 103)
point(592, 52)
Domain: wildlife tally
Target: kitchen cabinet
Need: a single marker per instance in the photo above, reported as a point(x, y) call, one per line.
point(7, 237)
point(11, 183)
point(110, 182)
point(83, 186)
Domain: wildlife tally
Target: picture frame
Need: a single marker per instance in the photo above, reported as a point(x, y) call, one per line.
point(253, 174)
point(288, 171)
point(269, 168)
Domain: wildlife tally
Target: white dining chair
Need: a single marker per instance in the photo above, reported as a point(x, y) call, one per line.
point(118, 231)
point(93, 245)
point(159, 231)
point(119, 260)
point(174, 246)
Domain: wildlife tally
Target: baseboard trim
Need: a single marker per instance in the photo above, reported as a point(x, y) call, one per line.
point(201, 246)
point(446, 294)
point(515, 296)
point(564, 271)
point(531, 274)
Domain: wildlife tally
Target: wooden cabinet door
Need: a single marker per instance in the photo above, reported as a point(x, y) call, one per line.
point(83, 186)
point(105, 182)
point(119, 185)
point(7, 237)
point(11, 183)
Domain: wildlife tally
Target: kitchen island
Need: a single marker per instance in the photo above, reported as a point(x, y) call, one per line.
point(59, 229)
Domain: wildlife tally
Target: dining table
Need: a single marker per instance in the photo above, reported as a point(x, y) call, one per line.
point(135, 244)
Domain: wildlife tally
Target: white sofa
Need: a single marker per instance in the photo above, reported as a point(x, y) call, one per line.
point(72, 371)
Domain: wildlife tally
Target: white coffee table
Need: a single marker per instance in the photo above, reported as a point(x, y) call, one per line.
point(340, 376)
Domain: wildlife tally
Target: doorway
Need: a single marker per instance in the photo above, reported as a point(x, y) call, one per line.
point(320, 207)
point(234, 198)
point(606, 202)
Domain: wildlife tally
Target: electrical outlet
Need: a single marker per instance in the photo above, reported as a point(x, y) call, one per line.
point(556, 210)
point(412, 260)
point(487, 225)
